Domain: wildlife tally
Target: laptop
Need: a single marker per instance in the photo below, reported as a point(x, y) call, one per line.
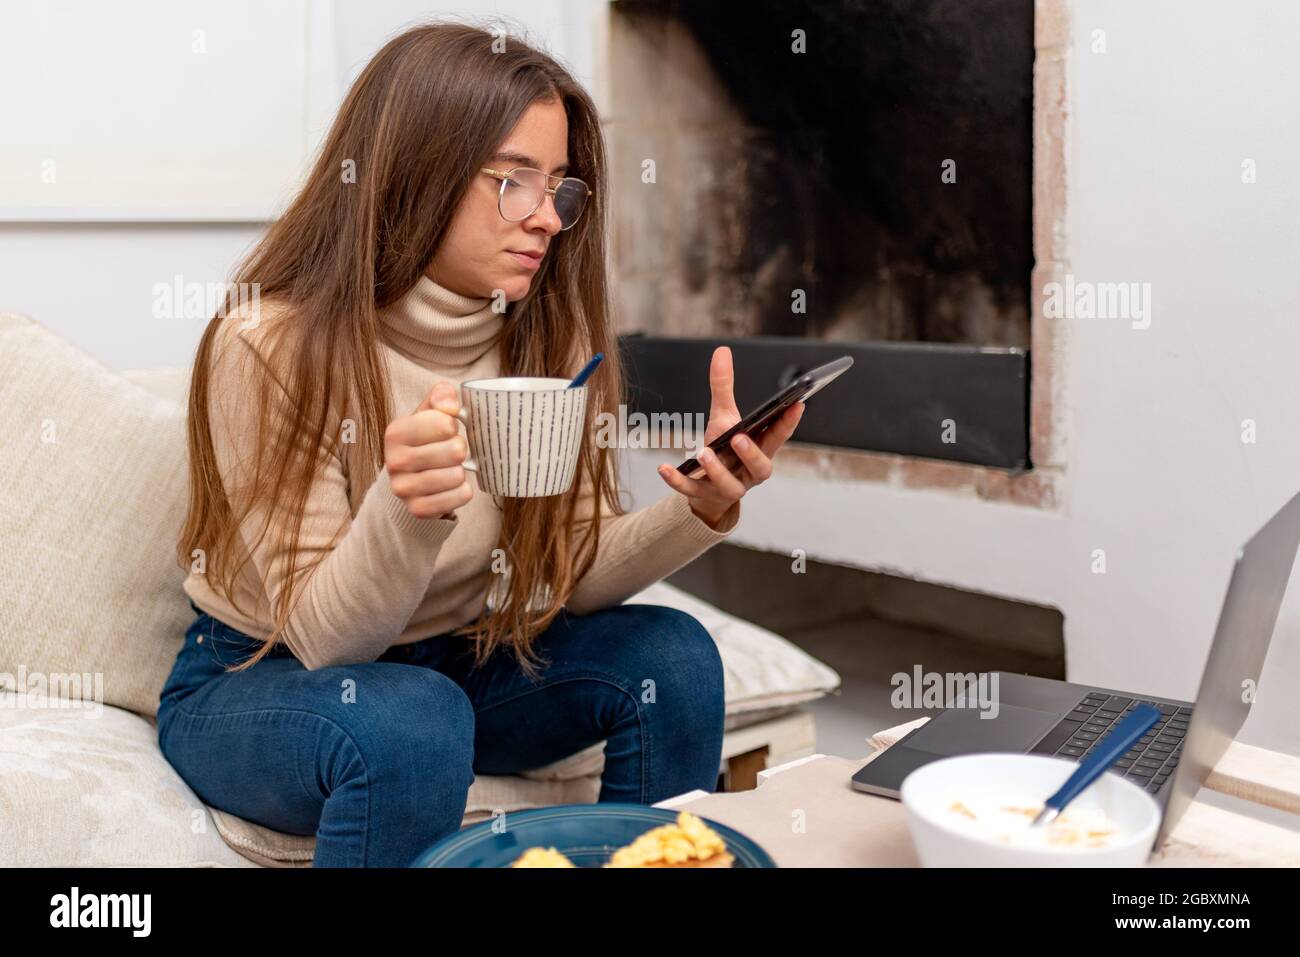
point(1172, 761)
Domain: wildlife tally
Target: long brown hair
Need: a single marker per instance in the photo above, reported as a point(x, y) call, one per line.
point(423, 116)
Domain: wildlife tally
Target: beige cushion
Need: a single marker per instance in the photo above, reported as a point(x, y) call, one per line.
point(91, 498)
point(173, 384)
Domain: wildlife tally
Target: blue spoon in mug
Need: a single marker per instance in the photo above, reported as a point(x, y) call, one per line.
point(1111, 748)
point(587, 370)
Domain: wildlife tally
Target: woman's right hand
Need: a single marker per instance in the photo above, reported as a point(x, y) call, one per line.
point(423, 452)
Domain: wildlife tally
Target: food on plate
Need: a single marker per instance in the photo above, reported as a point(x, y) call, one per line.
point(542, 857)
point(687, 843)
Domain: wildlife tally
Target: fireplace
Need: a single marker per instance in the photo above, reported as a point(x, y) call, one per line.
point(806, 179)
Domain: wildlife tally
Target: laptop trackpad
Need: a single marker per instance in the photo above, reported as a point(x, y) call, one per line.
point(963, 731)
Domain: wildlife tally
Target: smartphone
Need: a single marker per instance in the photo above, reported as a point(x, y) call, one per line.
point(758, 421)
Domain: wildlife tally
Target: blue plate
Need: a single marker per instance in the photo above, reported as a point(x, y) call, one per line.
point(586, 834)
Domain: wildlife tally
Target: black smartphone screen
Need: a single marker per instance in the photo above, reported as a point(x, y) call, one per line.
point(758, 421)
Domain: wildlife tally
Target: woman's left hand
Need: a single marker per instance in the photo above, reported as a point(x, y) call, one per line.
point(714, 494)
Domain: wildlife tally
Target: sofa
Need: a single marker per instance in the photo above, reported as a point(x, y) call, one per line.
point(92, 615)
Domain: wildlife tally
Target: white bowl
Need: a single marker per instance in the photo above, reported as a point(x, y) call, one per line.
point(943, 840)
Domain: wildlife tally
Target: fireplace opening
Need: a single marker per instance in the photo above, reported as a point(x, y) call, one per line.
point(852, 176)
point(872, 628)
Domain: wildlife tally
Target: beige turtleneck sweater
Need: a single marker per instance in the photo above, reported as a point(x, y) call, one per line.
point(391, 578)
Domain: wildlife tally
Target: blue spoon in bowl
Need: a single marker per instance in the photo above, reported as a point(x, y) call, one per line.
point(1108, 751)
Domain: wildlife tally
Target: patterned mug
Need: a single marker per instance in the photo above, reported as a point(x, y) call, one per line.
point(524, 434)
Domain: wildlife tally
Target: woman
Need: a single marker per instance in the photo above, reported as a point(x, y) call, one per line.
point(371, 630)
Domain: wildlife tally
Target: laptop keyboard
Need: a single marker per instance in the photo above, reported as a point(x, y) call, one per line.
point(1152, 759)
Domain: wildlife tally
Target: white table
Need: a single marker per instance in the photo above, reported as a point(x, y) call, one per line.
point(805, 813)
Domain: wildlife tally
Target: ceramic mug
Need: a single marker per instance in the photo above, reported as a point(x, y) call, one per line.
point(524, 434)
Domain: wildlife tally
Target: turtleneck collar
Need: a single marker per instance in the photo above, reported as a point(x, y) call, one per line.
point(441, 327)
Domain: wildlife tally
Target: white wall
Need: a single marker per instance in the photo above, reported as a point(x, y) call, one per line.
point(93, 283)
point(1158, 475)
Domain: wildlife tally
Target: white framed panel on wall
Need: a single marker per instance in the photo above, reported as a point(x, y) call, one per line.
point(160, 110)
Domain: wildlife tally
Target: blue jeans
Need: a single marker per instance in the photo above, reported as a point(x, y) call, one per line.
point(376, 759)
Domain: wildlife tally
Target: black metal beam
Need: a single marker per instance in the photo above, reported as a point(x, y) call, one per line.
point(898, 397)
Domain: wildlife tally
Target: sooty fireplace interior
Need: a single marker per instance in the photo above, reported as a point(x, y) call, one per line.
point(803, 179)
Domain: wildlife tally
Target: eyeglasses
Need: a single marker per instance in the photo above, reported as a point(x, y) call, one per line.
point(523, 189)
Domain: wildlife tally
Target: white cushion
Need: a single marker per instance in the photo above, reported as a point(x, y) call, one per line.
point(764, 672)
point(84, 790)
